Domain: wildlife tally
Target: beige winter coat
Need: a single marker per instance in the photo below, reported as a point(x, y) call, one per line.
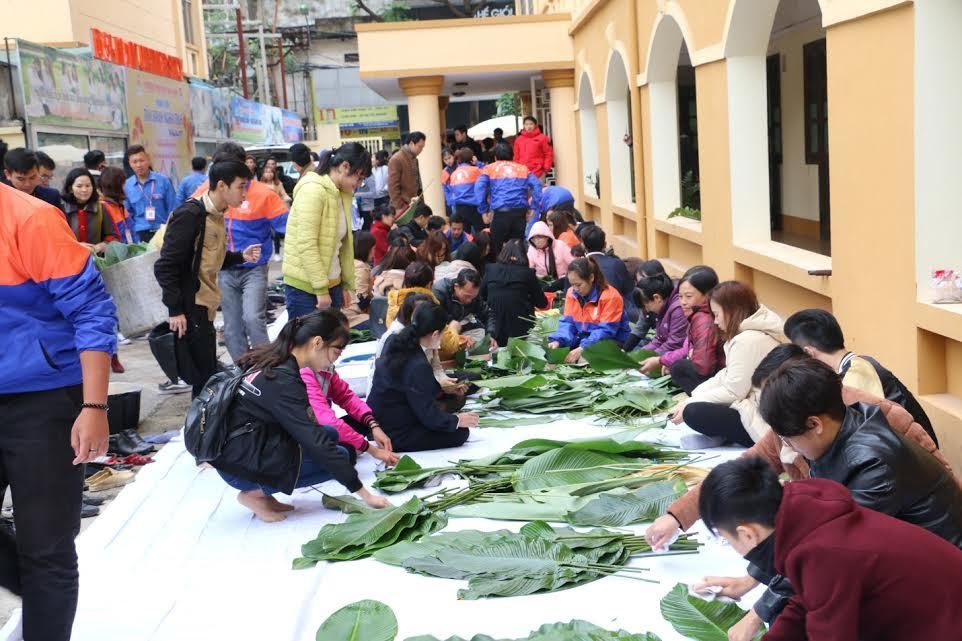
point(758, 334)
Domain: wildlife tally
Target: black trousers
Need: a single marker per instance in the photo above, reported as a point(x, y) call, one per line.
point(146, 236)
point(685, 376)
point(39, 563)
point(507, 224)
point(712, 419)
point(421, 440)
point(472, 219)
point(199, 349)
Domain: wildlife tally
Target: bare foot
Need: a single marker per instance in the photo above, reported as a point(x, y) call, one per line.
point(277, 506)
point(261, 506)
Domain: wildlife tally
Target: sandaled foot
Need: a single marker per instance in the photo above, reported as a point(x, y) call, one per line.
point(277, 506)
point(261, 506)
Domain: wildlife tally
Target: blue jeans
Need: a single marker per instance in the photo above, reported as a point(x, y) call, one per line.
point(300, 303)
point(311, 474)
point(244, 304)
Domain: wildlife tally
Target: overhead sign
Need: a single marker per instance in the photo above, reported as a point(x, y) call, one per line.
point(70, 90)
point(209, 111)
point(130, 54)
point(363, 122)
point(160, 121)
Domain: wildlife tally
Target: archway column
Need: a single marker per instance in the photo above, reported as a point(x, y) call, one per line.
point(560, 84)
point(424, 114)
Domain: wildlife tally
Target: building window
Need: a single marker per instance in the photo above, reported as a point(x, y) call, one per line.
point(352, 57)
point(188, 10)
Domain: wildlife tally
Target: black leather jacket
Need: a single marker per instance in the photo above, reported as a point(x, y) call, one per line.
point(888, 473)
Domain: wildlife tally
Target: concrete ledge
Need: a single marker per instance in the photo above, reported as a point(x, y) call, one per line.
point(685, 228)
point(944, 320)
point(788, 263)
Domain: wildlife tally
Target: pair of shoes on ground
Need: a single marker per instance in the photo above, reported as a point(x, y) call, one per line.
point(128, 442)
point(173, 387)
point(108, 478)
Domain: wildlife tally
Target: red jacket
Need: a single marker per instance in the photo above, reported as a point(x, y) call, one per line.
point(533, 150)
point(859, 574)
point(380, 232)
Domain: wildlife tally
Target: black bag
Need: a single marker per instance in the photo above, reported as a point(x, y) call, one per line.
point(206, 428)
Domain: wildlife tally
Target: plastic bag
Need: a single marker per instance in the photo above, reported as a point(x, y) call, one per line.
point(947, 285)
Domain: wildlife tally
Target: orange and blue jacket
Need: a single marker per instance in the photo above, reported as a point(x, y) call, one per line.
point(253, 223)
point(596, 317)
point(460, 186)
point(53, 304)
point(507, 185)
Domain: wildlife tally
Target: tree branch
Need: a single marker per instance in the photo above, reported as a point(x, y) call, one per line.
point(366, 9)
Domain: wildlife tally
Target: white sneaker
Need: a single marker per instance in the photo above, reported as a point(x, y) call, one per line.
point(122, 340)
point(173, 387)
point(277, 258)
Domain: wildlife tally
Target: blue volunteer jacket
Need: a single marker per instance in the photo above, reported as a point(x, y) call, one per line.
point(505, 184)
point(53, 301)
point(157, 192)
point(460, 188)
point(596, 317)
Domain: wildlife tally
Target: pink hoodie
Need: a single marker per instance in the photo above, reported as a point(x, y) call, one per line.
point(338, 392)
point(538, 258)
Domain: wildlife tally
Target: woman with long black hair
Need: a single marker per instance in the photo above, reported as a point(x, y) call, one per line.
point(276, 443)
point(404, 392)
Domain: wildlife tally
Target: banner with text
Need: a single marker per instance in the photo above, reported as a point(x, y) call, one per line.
point(209, 111)
point(293, 126)
point(160, 121)
point(69, 90)
point(363, 122)
point(250, 121)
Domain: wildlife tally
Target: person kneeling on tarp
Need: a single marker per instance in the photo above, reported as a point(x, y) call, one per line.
point(857, 573)
point(295, 450)
point(404, 391)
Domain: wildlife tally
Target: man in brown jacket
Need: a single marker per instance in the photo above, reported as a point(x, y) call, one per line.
point(403, 172)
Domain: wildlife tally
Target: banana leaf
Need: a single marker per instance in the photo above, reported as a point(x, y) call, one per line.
point(521, 380)
point(490, 421)
point(557, 355)
point(481, 348)
point(571, 631)
point(361, 621)
point(569, 466)
point(618, 509)
point(698, 619)
point(605, 355)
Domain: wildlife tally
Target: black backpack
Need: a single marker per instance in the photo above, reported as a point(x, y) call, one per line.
point(206, 427)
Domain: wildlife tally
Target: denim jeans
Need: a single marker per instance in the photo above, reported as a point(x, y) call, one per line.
point(244, 305)
point(36, 462)
point(300, 303)
point(311, 474)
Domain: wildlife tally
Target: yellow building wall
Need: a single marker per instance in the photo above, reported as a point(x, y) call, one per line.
point(46, 21)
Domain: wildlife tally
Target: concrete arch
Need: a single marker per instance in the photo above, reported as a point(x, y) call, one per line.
point(617, 48)
point(748, 26)
point(588, 131)
point(667, 34)
point(618, 112)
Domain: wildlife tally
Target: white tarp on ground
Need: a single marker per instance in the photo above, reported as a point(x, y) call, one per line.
point(176, 558)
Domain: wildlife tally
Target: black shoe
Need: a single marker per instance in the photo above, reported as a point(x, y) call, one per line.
point(93, 500)
point(129, 442)
point(88, 511)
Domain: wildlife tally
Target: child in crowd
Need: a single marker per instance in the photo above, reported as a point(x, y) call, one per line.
point(363, 255)
point(750, 331)
point(404, 391)
point(660, 296)
point(647, 321)
point(381, 228)
point(549, 258)
point(593, 311)
point(560, 223)
point(699, 357)
point(855, 573)
point(512, 291)
point(288, 448)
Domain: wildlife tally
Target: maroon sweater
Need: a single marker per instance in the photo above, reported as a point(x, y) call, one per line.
point(859, 574)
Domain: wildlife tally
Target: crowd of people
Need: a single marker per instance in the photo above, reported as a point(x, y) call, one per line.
point(361, 248)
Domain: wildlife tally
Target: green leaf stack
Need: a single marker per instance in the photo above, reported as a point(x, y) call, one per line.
point(361, 621)
point(698, 619)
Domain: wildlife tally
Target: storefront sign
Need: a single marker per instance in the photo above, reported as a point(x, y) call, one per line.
point(209, 111)
point(159, 120)
point(495, 10)
point(293, 128)
point(363, 122)
point(69, 90)
point(130, 54)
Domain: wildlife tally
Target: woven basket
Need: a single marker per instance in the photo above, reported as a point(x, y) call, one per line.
point(136, 294)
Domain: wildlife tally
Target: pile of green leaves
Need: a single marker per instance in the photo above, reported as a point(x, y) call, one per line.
point(698, 619)
point(539, 558)
point(361, 335)
point(118, 252)
point(366, 530)
point(374, 621)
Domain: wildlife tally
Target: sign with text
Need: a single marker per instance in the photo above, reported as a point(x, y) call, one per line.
point(292, 125)
point(363, 122)
point(130, 54)
point(250, 121)
point(160, 121)
point(69, 90)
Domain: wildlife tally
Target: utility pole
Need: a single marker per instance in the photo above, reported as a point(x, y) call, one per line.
point(243, 52)
point(265, 93)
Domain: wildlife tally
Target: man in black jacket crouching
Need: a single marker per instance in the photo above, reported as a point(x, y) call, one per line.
point(194, 250)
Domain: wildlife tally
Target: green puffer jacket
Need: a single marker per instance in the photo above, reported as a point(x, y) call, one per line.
point(311, 234)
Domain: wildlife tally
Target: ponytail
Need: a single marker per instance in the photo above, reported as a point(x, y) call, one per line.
point(354, 154)
point(588, 269)
point(427, 318)
point(325, 324)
